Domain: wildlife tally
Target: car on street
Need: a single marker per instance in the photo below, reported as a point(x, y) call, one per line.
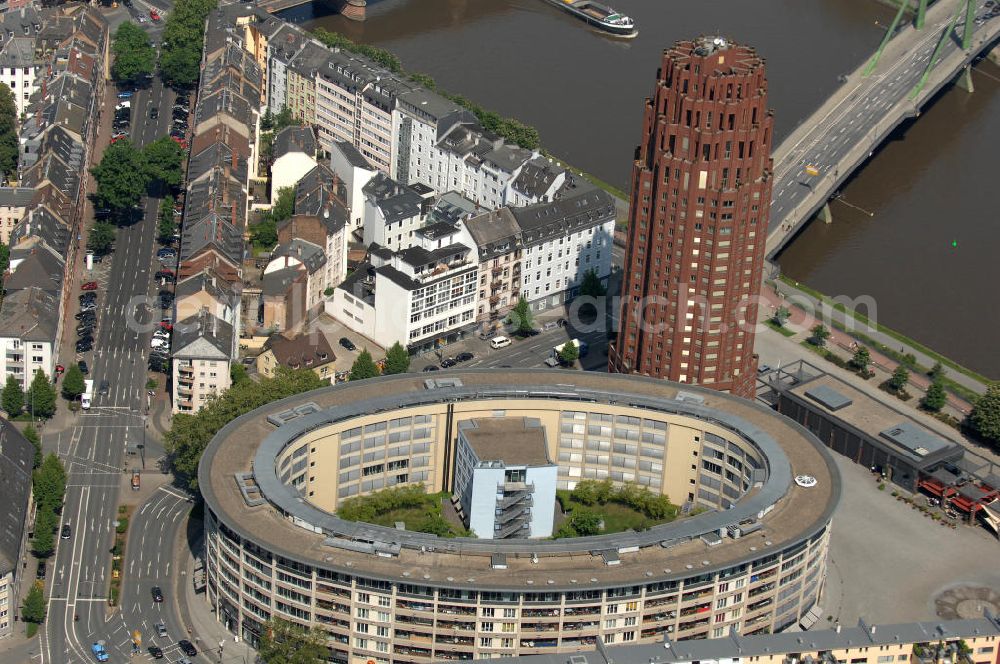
point(125, 94)
point(155, 652)
point(187, 648)
point(464, 357)
point(347, 343)
point(104, 388)
point(448, 363)
point(157, 593)
point(763, 369)
point(161, 629)
point(84, 369)
point(67, 532)
point(154, 112)
point(430, 367)
point(100, 652)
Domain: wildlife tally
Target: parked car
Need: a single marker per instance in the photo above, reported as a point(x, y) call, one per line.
point(40, 570)
point(125, 94)
point(448, 363)
point(347, 343)
point(166, 252)
point(90, 285)
point(84, 346)
point(154, 15)
point(86, 315)
point(88, 306)
point(430, 367)
point(464, 357)
point(60, 369)
point(161, 629)
point(84, 369)
point(88, 297)
point(155, 652)
point(187, 648)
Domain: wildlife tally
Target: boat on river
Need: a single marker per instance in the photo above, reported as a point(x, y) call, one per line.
point(600, 16)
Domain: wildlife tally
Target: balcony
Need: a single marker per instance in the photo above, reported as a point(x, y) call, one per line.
point(540, 613)
point(659, 617)
point(415, 620)
point(457, 610)
point(185, 370)
point(423, 653)
point(446, 625)
point(496, 284)
point(185, 391)
point(417, 637)
point(455, 640)
point(691, 624)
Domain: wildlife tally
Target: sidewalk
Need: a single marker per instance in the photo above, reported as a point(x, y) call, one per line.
point(199, 617)
point(786, 291)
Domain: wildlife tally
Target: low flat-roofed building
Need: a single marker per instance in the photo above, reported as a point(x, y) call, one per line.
point(863, 429)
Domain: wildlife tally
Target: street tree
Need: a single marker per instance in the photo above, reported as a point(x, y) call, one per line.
point(72, 384)
point(397, 360)
point(985, 416)
point(363, 367)
point(8, 132)
point(520, 316)
point(591, 285)
point(101, 237)
point(12, 397)
point(935, 398)
point(31, 434)
point(862, 358)
point(781, 316)
point(41, 396)
point(122, 178)
point(283, 642)
point(163, 162)
point(166, 226)
point(936, 371)
point(33, 610)
point(569, 354)
point(899, 378)
point(49, 483)
point(819, 335)
point(43, 543)
point(135, 57)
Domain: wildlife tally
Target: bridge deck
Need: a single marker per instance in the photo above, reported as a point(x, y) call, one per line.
point(844, 132)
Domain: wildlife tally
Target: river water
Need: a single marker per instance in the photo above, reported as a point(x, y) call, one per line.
point(584, 91)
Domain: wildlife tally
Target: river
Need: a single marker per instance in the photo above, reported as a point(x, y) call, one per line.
point(583, 90)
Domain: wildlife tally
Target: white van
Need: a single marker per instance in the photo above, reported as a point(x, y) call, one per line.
point(499, 342)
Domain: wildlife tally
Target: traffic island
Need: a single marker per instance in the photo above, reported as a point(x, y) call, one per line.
point(118, 553)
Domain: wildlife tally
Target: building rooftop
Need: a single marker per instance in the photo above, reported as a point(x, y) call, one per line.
point(352, 155)
point(515, 441)
point(797, 512)
point(16, 196)
point(202, 336)
point(295, 139)
point(29, 314)
point(17, 457)
point(536, 177)
point(396, 201)
point(304, 350)
point(563, 216)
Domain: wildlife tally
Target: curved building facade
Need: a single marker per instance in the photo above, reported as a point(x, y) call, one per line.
point(758, 492)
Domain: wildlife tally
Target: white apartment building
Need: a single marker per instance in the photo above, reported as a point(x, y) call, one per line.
point(18, 70)
point(420, 297)
point(355, 171)
point(28, 331)
point(393, 212)
point(201, 346)
point(561, 241)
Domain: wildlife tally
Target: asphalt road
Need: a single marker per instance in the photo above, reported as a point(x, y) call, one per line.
point(94, 450)
point(855, 119)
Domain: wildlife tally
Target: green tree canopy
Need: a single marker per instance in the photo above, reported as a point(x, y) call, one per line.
point(937, 371)
point(163, 161)
point(284, 205)
point(101, 237)
point(985, 416)
point(190, 433)
point(238, 373)
point(166, 226)
point(819, 335)
point(122, 178)
point(397, 360)
point(72, 385)
point(283, 642)
point(31, 433)
point(862, 358)
point(8, 132)
point(591, 285)
point(183, 35)
point(781, 316)
point(41, 396)
point(12, 397)
point(33, 610)
point(521, 317)
point(49, 483)
point(570, 353)
point(363, 367)
point(900, 377)
point(134, 54)
point(43, 543)
point(935, 398)
point(585, 522)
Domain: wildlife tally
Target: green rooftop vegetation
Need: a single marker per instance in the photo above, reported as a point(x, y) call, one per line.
point(411, 504)
point(600, 508)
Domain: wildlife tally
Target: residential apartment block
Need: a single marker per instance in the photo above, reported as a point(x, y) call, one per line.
point(17, 456)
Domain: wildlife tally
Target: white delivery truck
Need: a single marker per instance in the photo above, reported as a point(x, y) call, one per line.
point(88, 394)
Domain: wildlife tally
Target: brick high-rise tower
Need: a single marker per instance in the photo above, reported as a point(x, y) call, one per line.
point(701, 192)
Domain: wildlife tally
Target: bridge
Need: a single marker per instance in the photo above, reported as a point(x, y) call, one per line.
point(908, 69)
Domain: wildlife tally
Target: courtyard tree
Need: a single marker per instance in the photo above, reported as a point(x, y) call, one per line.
point(8, 132)
point(591, 285)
